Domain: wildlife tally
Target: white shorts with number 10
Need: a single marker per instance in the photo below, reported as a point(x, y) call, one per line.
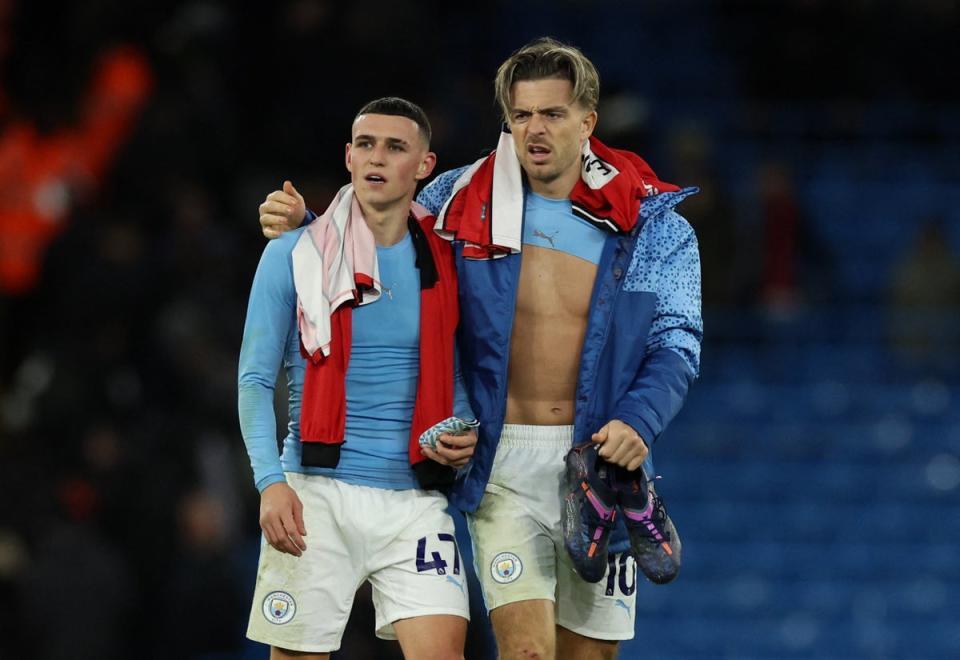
point(518, 542)
point(402, 541)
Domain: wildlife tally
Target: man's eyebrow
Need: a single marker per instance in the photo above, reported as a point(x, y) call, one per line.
point(555, 108)
point(390, 140)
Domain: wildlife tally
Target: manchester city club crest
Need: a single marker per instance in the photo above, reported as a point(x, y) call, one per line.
point(279, 607)
point(506, 567)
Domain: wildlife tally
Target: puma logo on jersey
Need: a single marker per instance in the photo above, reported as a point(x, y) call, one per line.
point(549, 239)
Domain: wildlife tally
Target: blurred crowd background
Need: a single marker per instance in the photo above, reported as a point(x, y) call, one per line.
point(814, 472)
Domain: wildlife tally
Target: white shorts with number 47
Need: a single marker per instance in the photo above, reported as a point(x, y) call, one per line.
point(402, 541)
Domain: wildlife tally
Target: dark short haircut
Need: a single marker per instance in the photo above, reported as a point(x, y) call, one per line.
point(398, 107)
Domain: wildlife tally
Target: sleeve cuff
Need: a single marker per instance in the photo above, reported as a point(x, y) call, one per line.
point(269, 480)
point(638, 424)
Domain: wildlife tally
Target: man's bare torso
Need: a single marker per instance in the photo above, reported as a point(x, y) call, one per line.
point(553, 299)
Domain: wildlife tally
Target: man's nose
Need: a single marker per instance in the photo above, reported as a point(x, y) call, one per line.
point(536, 124)
point(379, 155)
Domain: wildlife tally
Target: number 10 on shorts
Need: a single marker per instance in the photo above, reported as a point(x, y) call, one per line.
point(438, 563)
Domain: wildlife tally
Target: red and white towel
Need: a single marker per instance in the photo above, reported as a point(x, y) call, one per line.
point(485, 208)
point(334, 260)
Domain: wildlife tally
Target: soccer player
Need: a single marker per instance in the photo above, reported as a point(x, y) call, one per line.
point(580, 321)
point(360, 308)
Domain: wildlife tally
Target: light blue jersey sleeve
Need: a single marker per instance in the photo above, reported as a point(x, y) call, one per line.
point(270, 340)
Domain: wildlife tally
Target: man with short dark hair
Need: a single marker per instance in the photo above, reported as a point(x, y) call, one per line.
point(360, 308)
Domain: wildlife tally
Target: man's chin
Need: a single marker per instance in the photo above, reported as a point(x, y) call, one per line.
point(378, 200)
point(369, 194)
point(540, 172)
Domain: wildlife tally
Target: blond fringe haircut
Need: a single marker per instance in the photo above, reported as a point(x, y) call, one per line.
point(546, 58)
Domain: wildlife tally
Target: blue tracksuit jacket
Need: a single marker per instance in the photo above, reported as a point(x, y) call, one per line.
point(641, 350)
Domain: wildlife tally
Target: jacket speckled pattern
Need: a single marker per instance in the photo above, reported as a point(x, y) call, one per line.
point(641, 350)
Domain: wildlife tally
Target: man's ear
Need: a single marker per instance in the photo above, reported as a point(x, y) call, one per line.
point(588, 124)
point(426, 166)
point(347, 159)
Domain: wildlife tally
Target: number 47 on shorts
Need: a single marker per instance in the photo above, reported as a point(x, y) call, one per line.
point(438, 563)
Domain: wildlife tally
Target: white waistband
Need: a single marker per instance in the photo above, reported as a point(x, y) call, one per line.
point(528, 435)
